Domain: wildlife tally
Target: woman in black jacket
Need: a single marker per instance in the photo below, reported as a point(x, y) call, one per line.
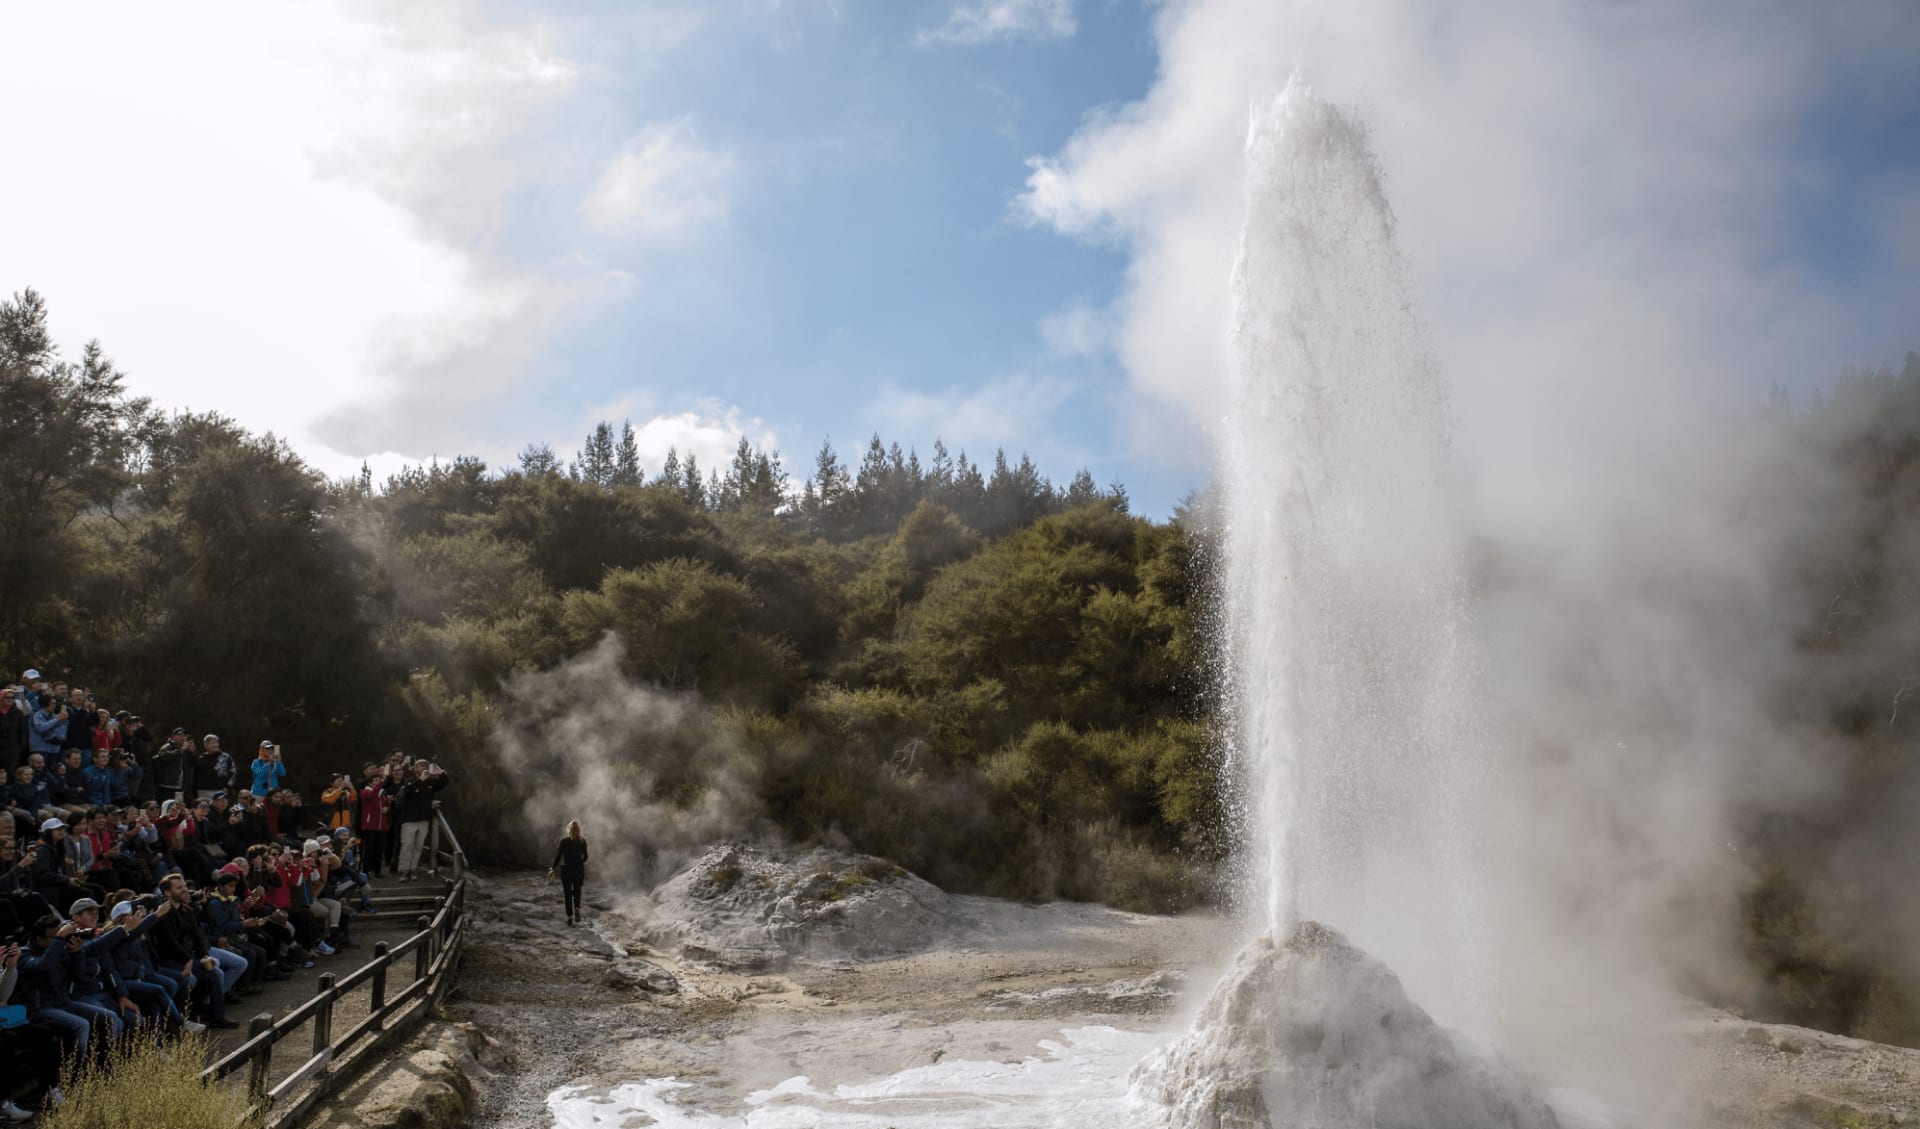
point(570, 860)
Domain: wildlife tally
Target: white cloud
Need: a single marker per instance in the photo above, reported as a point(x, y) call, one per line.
point(295, 213)
point(982, 21)
point(1010, 412)
point(663, 185)
point(709, 433)
point(1078, 330)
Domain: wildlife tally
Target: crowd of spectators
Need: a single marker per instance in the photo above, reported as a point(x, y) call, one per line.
point(146, 886)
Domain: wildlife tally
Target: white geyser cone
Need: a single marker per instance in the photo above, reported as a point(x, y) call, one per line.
point(1312, 1033)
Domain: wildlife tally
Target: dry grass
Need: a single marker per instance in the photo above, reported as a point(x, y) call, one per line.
point(148, 1085)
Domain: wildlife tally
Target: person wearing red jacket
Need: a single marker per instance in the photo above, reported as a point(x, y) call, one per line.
point(375, 819)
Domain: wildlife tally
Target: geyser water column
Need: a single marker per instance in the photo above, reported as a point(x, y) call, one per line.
point(1350, 691)
point(1351, 694)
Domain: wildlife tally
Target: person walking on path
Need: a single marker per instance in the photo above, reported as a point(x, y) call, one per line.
point(570, 861)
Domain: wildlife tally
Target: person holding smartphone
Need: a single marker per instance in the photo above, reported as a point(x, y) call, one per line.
point(416, 811)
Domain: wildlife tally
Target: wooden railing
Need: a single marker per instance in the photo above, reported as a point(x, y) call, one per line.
point(434, 952)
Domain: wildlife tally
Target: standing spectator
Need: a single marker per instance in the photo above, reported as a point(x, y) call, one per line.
point(47, 727)
point(80, 721)
point(176, 765)
point(220, 764)
point(16, 735)
point(36, 687)
point(339, 802)
point(374, 819)
point(106, 731)
point(268, 772)
point(140, 748)
point(416, 811)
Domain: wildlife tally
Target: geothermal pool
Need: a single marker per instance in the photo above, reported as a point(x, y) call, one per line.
point(1078, 1079)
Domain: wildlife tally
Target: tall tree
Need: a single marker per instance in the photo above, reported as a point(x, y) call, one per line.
point(626, 460)
point(69, 443)
point(597, 459)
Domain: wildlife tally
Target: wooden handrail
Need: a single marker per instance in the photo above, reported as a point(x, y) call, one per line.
point(436, 947)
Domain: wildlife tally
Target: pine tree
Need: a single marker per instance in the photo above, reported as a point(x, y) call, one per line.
point(1081, 490)
point(692, 487)
point(831, 492)
point(734, 487)
point(537, 461)
point(596, 461)
point(626, 460)
point(670, 476)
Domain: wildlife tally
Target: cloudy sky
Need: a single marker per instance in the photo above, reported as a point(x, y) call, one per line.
point(390, 232)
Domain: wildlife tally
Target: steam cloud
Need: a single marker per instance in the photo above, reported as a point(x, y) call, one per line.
point(651, 775)
point(1592, 203)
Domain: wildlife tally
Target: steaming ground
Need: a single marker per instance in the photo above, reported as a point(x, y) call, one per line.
point(1018, 1015)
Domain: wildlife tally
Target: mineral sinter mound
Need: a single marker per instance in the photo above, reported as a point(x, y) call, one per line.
point(1312, 1033)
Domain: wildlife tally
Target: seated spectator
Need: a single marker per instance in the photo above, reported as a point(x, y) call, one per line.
point(20, 904)
point(29, 1052)
point(349, 880)
point(158, 993)
point(68, 783)
point(331, 910)
point(180, 836)
point(126, 776)
point(90, 975)
point(45, 974)
point(54, 877)
point(179, 942)
point(227, 928)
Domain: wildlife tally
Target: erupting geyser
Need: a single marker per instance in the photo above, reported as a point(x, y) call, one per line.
point(1351, 683)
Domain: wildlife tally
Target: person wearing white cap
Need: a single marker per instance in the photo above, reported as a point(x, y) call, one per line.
point(49, 866)
point(133, 967)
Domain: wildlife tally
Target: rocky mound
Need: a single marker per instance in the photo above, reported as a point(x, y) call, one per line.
point(752, 908)
point(1315, 1034)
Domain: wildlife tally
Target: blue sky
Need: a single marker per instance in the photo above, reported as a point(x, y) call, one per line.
point(391, 233)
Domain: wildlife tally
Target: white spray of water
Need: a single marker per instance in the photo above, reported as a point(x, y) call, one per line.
point(1351, 686)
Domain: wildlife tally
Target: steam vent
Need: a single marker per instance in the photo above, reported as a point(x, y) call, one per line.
point(1315, 1034)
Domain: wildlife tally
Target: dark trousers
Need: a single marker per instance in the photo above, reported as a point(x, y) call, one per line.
point(373, 851)
point(570, 883)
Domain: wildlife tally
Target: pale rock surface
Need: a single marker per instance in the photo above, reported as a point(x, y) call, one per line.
point(750, 908)
point(1314, 1034)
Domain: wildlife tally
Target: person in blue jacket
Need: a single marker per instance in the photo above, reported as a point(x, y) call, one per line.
point(47, 728)
point(44, 976)
point(268, 773)
point(91, 979)
point(156, 991)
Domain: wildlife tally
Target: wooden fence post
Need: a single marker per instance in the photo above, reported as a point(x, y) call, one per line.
point(433, 841)
point(379, 1003)
point(421, 956)
point(262, 1066)
point(323, 1018)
